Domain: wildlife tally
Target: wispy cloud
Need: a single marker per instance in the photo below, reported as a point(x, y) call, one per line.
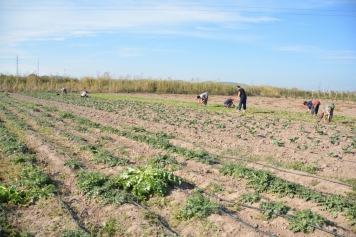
point(204, 28)
point(36, 23)
point(324, 55)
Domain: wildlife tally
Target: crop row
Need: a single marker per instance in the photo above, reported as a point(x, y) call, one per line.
point(129, 135)
point(250, 126)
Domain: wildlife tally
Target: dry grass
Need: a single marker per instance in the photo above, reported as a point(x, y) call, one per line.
point(106, 84)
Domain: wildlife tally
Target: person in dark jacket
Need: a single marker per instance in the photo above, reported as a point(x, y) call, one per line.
point(313, 106)
point(243, 98)
point(64, 91)
point(229, 102)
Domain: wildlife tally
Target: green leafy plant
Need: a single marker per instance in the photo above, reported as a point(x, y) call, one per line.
point(146, 181)
point(347, 149)
point(277, 143)
point(198, 207)
point(309, 167)
point(301, 219)
point(293, 139)
point(271, 210)
point(215, 188)
point(96, 185)
point(350, 215)
point(110, 227)
point(22, 158)
point(164, 161)
point(302, 148)
point(250, 197)
point(73, 164)
point(102, 156)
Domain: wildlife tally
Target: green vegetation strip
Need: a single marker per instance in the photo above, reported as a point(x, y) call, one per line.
point(264, 181)
point(133, 183)
point(103, 102)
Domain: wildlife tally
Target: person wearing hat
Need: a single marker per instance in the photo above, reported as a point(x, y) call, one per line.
point(243, 98)
point(203, 98)
point(229, 102)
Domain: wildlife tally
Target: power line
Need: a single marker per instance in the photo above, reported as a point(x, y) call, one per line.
point(216, 6)
point(191, 10)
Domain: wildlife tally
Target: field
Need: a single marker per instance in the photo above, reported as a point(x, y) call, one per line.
point(159, 165)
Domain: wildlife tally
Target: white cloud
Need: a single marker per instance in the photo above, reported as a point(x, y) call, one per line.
point(59, 22)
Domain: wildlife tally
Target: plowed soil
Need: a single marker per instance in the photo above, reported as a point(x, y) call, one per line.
point(249, 138)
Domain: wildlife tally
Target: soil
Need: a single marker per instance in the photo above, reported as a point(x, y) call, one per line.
point(48, 217)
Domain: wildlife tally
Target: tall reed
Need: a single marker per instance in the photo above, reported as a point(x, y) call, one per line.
point(105, 84)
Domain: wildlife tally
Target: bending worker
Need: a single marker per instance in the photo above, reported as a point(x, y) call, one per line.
point(328, 112)
point(313, 106)
point(64, 90)
point(229, 102)
point(84, 94)
point(203, 98)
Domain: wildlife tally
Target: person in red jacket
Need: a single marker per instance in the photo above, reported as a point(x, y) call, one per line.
point(313, 106)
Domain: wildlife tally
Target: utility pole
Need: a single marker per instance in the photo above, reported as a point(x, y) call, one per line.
point(38, 67)
point(17, 65)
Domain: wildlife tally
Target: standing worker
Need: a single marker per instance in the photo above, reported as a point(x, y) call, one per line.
point(313, 106)
point(243, 98)
point(328, 111)
point(203, 98)
point(229, 102)
point(64, 90)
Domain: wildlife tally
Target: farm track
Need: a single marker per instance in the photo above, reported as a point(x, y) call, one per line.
point(200, 174)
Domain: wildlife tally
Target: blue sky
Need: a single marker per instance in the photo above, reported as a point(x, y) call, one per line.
point(307, 44)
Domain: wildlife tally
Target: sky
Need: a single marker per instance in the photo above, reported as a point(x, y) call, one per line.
point(305, 44)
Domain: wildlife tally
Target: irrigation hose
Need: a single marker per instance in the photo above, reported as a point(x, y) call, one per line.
point(268, 166)
point(71, 215)
point(255, 208)
point(159, 219)
point(233, 217)
point(245, 223)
